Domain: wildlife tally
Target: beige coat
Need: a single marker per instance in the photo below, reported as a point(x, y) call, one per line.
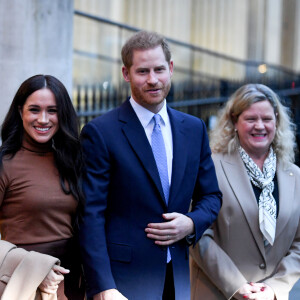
point(232, 252)
point(21, 273)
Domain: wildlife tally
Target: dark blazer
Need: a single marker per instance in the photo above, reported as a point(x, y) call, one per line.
point(232, 253)
point(124, 193)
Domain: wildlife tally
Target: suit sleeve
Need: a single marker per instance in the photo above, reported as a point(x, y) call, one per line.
point(207, 198)
point(217, 265)
point(92, 235)
point(287, 271)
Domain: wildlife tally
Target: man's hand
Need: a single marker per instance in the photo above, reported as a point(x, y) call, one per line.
point(176, 227)
point(111, 294)
point(50, 284)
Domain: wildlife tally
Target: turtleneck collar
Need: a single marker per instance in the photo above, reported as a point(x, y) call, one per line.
point(30, 144)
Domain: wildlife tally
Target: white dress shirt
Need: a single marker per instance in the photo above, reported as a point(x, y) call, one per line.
point(146, 118)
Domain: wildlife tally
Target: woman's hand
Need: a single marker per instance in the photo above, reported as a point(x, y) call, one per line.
point(50, 284)
point(255, 291)
point(245, 290)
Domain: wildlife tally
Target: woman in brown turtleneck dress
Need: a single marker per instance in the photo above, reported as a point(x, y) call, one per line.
point(41, 163)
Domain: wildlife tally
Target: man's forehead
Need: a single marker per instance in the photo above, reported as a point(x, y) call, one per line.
point(152, 55)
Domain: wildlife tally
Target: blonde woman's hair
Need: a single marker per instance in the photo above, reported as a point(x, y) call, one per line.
point(224, 139)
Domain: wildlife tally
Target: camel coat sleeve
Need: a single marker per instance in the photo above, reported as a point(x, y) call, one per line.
point(21, 272)
point(207, 255)
point(233, 252)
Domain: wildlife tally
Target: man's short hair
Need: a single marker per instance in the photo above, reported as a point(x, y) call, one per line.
point(144, 40)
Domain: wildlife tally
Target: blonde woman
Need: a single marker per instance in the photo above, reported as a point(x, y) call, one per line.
point(252, 250)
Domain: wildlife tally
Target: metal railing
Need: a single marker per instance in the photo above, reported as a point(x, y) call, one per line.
point(202, 79)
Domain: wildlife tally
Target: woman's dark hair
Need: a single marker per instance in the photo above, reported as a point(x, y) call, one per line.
point(67, 151)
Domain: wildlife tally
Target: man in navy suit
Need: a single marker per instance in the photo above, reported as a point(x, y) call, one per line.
point(136, 228)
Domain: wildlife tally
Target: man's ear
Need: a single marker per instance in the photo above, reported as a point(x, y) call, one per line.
point(125, 73)
point(171, 68)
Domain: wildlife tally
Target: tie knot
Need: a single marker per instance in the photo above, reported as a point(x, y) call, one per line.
point(157, 118)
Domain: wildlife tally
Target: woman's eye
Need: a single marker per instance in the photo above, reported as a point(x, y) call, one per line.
point(34, 109)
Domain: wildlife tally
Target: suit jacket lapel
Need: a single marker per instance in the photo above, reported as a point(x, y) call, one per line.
point(238, 179)
point(286, 195)
point(137, 138)
point(179, 152)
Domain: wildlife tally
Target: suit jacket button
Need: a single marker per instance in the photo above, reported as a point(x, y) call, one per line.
point(262, 266)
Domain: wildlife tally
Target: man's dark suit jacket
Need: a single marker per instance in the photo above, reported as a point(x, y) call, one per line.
point(124, 193)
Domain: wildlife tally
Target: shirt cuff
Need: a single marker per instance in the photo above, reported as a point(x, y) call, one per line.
point(190, 239)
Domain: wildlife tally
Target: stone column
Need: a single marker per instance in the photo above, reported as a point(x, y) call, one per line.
point(35, 38)
point(296, 64)
point(273, 31)
point(290, 34)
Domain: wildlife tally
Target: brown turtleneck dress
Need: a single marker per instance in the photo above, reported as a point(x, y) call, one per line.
point(35, 213)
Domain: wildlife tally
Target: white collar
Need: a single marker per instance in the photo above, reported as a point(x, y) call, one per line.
point(145, 116)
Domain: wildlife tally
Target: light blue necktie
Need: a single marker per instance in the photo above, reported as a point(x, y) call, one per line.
point(159, 152)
